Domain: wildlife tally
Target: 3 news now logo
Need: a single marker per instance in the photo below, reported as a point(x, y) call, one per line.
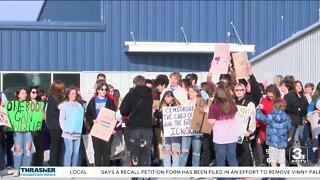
point(35, 171)
point(298, 155)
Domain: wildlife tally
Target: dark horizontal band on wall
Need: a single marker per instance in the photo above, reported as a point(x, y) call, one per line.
point(49, 26)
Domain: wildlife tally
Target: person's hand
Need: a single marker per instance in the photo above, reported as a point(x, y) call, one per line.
point(95, 121)
point(206, 109)
point(246, 134)
point(260, 106)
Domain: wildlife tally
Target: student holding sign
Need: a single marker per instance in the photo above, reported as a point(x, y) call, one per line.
point(23, 146)
point(102, 149)
point(71, 121)
point(247, 117)
point(196, 139)
point(225, 127)
point(171, 145)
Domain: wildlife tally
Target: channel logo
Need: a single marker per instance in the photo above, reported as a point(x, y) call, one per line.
point(298, 155)
point(37, 172)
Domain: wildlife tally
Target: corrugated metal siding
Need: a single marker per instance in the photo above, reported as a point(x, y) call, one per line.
point(299, 58)
point(257, 22)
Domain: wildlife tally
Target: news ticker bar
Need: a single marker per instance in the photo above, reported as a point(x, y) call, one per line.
point(297, 172)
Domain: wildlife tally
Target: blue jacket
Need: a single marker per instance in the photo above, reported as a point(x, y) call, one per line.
point(278, 125)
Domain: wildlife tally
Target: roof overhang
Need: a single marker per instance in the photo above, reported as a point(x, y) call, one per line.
point(180, 47)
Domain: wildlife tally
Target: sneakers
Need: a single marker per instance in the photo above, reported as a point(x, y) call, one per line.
point(16, 173)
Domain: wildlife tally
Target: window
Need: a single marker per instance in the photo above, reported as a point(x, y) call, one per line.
point(13, 81)
point(68, 79)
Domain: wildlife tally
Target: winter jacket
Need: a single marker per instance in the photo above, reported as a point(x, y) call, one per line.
point(52, 114)
point(293, 103)
point(142, 117)
point(91, 110)
point(278, 125)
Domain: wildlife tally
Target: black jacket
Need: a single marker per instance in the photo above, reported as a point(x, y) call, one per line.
point(293, 103)
point(91, 110)
point(52, 114)
point(142, 117)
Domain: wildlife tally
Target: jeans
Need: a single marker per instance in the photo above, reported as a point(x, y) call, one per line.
point(186, 142)
point(171, 149)
point(139, 142)
point(226, 151)
point(23, 155)
point(301, 134)
point(71, 153)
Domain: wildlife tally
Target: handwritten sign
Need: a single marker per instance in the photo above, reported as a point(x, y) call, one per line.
point(240, 60)
point(243, 116)
point(25, 116)
point(4, 119)
point(74, 119)
point(177, 121)
point(221, 59)
point(105, 126)
point(199, 120)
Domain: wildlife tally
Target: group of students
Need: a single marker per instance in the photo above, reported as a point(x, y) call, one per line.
point(280, 116)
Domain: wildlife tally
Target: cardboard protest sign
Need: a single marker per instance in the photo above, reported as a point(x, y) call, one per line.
point(105, 126)
point(242, 117)
point(177, 121)
point(74, 119)
point(4, 119)
point(240, 61)
point(221, 60)
point(25, 116)
point(199, 120)
point(87, 141)
point(156, 104)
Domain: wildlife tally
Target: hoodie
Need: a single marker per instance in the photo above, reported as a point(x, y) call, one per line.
point(142, 117)
point(278, 125)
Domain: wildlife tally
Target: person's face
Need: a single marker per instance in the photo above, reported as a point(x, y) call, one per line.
point(173, 81)
point(111, 90)
point(168, 98)
point(298, 87)
point(192, 94)
point(270, 95)
point(160, 87)
point(149, 85)
point(283, 88)
point(102, 92)
point(43, 97)
point(308, 90)
point(72, 95)
point(22, 95)
point(239, 91)
point(33, 94)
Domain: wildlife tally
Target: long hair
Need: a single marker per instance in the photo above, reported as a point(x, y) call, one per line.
point(302, 91)
point(316, 93)
point(223, 98)
point(116, 95)
point(164, 104)
point(56, 90)
point(38, 98)
point(272, 88)
point(17, 92)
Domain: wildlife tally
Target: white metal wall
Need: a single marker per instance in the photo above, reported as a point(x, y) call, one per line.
point(300, 58)
point(122, 80)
